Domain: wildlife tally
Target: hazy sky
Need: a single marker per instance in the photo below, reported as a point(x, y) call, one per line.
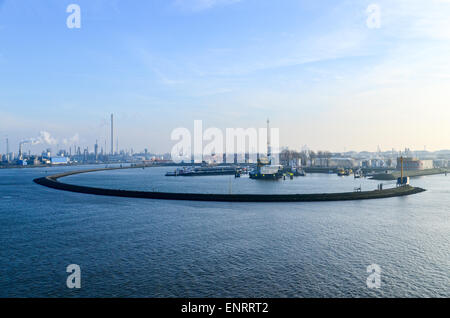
point(317, 69)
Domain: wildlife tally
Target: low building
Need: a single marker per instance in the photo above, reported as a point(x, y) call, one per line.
point(342, 162)
point(410, 163)
point(21, 162)
point(59, 160)
point(441, 163)
point(366, 163)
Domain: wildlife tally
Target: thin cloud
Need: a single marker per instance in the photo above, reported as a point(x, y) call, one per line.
point(201, 5)
point(414, 19)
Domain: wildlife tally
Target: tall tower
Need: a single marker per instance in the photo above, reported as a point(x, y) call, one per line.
point(112, 134)
point(96, 150)
point(7, 149)
point(20, 150)
point(269, 150)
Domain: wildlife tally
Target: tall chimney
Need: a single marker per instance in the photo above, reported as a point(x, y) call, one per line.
point(112, 134)
point(269, 150)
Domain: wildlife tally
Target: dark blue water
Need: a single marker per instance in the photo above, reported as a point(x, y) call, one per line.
point(151, 248)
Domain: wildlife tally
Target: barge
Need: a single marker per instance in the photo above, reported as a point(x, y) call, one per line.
point(203, 171)
point(267, 171)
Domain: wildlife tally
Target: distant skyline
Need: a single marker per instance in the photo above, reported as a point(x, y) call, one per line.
point(322, 74)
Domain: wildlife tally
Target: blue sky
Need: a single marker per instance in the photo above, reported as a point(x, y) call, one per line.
point(315, 68)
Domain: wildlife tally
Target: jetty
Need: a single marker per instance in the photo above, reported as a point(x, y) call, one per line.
point(411, 173)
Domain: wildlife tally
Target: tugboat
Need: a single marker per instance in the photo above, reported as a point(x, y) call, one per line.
point(265, 170)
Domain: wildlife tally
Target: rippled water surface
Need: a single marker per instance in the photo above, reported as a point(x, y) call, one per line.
point(154, 179)
point(152, 248)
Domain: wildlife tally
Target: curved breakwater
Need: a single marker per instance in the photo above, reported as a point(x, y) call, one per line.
point(52, 182)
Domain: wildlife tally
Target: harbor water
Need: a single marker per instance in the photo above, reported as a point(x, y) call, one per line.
point(153, 248)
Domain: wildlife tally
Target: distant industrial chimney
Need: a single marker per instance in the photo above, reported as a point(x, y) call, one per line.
point(112, 134)
point(269, 150)
point(95, 150)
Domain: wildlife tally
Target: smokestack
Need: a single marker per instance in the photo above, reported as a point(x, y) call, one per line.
point(112, 134)
point(269, 151)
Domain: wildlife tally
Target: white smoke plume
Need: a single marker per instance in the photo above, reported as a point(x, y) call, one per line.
point(72, 140)
point(46, 138)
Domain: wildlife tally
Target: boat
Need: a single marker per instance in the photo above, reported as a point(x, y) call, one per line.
point(344, 172)
point(203, 171)
point(299, 172)
point(358, 174)
point(265, 170)
point(178, 172)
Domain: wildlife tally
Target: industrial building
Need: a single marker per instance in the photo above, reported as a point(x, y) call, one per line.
point(59, 160)
point(410, 163)
point(342, 162)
